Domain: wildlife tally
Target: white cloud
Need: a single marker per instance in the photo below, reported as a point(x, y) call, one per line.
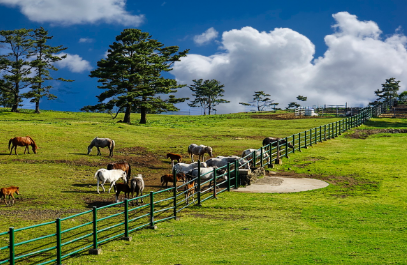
point(74, 63)
point(281, 62)
point(206, 37)
point(86, 40)
point(76, 11)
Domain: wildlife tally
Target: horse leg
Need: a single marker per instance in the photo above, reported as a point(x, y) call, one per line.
point(111, 185)
point(98, 186)
point(99, 153)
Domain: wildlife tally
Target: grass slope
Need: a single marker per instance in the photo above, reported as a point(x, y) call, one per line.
point(358, 219)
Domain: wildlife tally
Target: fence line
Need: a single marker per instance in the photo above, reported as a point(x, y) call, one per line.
point(89, 229)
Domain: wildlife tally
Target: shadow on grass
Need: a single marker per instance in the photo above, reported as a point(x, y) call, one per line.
point(387, 124)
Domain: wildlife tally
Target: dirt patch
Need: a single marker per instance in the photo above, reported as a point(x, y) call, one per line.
point(39, 215)
point(363, 134)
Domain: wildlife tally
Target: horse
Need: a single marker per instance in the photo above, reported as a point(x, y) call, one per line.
point(189, 190)
point(102, 142)
point(22, 141)
point(170, 178)
point(248, 154)
point(174, 157)
point(123, 166)
point(103, 175)
point(137, 185)
point(199, 150)
point(273, 141)
point(122, 187)
point(185, 168)
point(4, 192)
point(222, 161)
point(207, 174)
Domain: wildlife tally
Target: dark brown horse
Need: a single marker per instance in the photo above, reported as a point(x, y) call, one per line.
point(173, 157)
point(22, 141)
point(123, 166)
point(4, 192)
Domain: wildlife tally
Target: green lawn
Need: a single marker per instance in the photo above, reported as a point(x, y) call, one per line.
point(360, 218)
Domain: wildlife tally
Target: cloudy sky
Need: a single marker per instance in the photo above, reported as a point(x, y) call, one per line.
point(332, 52)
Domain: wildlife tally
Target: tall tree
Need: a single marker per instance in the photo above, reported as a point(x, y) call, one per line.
point(293, 105)
point(389, 90)
point(207, 94)
point(261, 101)
point(131, 75)
point(14, 64)
point(42, 64)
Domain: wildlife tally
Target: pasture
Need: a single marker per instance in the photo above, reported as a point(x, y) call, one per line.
point(359, 218)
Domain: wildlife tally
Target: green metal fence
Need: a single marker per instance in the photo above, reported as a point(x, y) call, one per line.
point(52, 242)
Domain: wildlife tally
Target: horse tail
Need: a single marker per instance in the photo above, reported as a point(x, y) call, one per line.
point(9, 143)
point(129, 174)
point(97, 174)
point(112, 145)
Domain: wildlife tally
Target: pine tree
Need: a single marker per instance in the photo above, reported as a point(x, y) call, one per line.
point(389, 90)
point(261, 101)
point(207, 94)
point(131, 76)
point(14, 64)
point(44, 62)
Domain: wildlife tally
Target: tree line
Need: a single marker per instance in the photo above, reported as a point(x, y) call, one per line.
point(130, 76)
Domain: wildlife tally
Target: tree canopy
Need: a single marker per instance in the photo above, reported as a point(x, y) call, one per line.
point(131, 76)
point(207, 94)
point(261, 101)
point(389, 90)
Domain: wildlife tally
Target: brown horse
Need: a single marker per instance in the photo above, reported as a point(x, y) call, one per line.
point(173, 157)
point(169, 178)
point(4, 192)
point(123, 166)
point(22, 141)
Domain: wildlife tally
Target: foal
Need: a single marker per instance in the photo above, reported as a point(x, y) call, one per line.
point(9, 191)
point(169, 178)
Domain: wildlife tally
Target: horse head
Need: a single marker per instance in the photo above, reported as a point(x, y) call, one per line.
point(208, 150)
point(33, 145)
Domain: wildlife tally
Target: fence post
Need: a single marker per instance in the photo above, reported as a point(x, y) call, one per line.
point(261, 156)
point(310, 137)
point(254, 158)
point(174, 177)
point(278, 159)
point(214, 183)
point(299, 142)
point(325, 132)
point(11, 245)
point(236, 174)
point(126, 221)
point(294, 143)
point(286, 147)
point(270, 156)
point(320, 134)
point(59, 243)
point(95, 250)
point(228, 169)
point(152, 226)
point(305, 139)
point(199, 183)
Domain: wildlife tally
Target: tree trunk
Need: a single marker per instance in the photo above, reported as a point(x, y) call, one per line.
point(143, 118)
point(14, 108)
point(37, 107)
point(127, 114)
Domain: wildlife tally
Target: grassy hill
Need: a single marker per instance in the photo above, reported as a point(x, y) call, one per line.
point(358, 219)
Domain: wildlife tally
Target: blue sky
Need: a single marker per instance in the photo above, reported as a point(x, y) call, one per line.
point(333, 52)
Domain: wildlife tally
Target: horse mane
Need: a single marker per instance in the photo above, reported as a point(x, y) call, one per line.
point(33, 142)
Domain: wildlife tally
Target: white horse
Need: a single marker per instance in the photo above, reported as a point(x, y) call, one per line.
point(199, 150)
point(103, 175)
point(185, 168)
point(102, 142)
point(137, 185)
point(248, 154)
point(222, 161)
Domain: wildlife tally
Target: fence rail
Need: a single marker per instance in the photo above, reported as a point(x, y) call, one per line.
point(65, 237)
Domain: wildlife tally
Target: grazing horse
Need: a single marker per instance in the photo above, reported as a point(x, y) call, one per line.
point(103, 175)
point(102, 142)
point(22, 141)
point(273, 141)
point(199, 150)
point(137, 185)
point(174, 157)
point(123, 166)
point(4, 192)
point(169, 178)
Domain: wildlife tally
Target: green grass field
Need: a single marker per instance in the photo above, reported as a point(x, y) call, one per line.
point(360, 218)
